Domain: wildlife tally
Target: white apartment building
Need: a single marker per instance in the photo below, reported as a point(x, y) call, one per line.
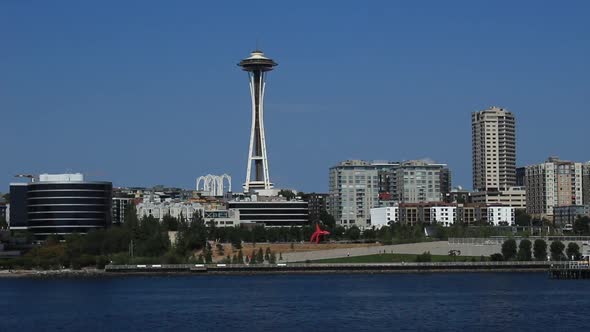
point(384, 216)
point(501, 215)
point(188, 210)
point(158, 210)
point(443, 215)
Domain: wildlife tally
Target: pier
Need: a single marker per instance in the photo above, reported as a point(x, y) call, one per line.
point(570, 270)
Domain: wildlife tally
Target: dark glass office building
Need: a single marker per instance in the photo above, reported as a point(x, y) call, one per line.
point(61, 207)
point(273, 213)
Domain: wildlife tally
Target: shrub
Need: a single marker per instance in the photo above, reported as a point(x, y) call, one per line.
point(497, 257)
point(424, 257)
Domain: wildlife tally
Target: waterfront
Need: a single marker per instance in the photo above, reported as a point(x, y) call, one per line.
point(362, 302)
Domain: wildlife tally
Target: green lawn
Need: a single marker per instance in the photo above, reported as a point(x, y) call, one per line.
point(395, 258)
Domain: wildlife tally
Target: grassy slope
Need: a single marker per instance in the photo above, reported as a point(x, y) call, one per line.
point(393, 258)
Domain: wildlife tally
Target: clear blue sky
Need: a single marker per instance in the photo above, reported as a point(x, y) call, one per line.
point(148, 92)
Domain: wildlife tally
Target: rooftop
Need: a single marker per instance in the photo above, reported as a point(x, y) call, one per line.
point(66, 177)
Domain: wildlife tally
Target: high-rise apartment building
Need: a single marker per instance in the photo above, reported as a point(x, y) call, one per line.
point(420, 181)
point(552, 184)
point(494, 149)
point(356, 187)
point(520, 175)
point(386, 175)
point(354, 191)
point(586, 183)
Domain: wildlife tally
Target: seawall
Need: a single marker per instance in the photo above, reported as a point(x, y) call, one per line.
point(331, 268)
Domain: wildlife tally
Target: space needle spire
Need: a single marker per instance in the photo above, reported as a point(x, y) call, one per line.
point(257, 65)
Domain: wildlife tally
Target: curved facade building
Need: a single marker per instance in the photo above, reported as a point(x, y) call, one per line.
point(65, 203)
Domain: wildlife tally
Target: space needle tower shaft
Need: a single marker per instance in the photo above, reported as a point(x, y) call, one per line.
point(257, 65)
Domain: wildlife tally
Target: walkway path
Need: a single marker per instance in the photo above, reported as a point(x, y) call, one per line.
point(435, 248)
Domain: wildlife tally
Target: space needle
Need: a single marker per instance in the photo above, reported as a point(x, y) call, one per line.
point(257, 65)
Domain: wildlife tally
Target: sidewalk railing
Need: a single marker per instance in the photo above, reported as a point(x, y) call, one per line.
point(495, 240)
point(334, 266)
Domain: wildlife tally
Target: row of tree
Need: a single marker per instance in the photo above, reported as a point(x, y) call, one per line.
point(256, 257)
point(527, 251)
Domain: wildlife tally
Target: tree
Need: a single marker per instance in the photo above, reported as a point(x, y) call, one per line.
point(369, 234)
point(497, 257)
point(267, 254)
point(236, 241)
point(288, 194)
point(52, 240)
point(573, 251)
point(253, 257)
point(524, 250)
point(208, 255)
point(3, 223)
point(540, 250)
point(327, 219)
point(170, 223)
point(260, 256)
point(353, 233)
point(192, 236)
point(131, 221)
point(556, 249)
point(522, 218)
point(509, 249)
point(240, 257)
point(152, 239)
point(424, 257)
point(73, 251)
point(273, 258)
point(582, 225)
point(220, 250)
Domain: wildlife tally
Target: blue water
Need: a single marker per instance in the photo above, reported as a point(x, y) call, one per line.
point(383, 302)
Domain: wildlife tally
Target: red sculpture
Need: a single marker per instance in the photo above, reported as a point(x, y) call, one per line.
point(318, 234)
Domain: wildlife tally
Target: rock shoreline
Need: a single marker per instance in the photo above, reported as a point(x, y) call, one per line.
point(51, 273)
